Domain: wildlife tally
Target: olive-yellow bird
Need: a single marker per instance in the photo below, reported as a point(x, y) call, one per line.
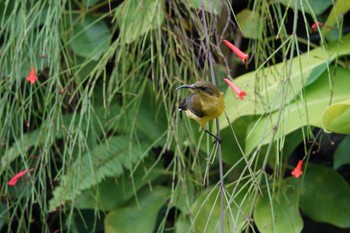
point(204, 104)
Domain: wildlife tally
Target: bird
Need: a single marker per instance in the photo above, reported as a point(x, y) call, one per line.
point(204, 104)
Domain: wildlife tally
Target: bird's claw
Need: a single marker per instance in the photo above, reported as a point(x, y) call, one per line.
point(217, 140)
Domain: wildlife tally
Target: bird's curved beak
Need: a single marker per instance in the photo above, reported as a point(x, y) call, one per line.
point(192, 86)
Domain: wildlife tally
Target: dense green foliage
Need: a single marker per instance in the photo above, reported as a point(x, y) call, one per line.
point(103, 148)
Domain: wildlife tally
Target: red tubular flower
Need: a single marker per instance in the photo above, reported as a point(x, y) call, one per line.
point(315, 25)
point(32, 78)
point(15, 178)
point(298, 170)
point(237, 51)
point(240, 93)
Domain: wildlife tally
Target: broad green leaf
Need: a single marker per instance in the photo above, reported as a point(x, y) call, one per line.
point(309, 6)
point(151, 117)
point(205, 212)
point(279, 212)
point(316, 73)
point(336, 117)
point(136, 18)
point(342, 153)
point(83, 68)
point(250, 23)
point(84, 221)
point(325, 196)
point(212, 6)
point(183, 196)
point(140, 215)
point(108, 159)
point(124, 188)
point(183, 225)
point(90, 38)
point(299, 113)
point(264, 86)
point(340, 8)
point(231, 148)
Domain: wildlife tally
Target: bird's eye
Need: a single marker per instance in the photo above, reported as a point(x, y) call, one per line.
point(202, 88)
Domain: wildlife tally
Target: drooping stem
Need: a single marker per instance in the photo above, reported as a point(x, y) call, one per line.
point(221, 173)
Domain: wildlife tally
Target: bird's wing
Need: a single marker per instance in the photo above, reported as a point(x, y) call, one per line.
point(195, 107)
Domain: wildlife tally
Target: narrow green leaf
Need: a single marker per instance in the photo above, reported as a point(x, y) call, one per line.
point(325, 196)
point(4, 214)
point(336, 117)
point(38, 137)
point(279, 212)
point(89, 3)
point(341, 154)
point(138, 216)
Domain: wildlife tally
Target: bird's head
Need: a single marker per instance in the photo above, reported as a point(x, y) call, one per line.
point(203, 88)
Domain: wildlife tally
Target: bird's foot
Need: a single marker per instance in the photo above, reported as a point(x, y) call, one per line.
point(217, 140)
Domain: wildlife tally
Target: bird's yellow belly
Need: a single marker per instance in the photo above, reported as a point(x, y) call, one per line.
point(212, 109)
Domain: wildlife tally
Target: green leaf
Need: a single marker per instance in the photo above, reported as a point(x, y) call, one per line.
point(205, 211)
point(316, 7)
point(183, 225)
point(38, 137)
point(138, 216)
point(212, 6)
point(106, 160)
point(263, 86)
point(8, 7)
point(151, 118)
point(89, 3)
point(250, 23)
point(125, 187)
point(279, 212)
point(136, 18)
point(231, 151)
point(90, 38)
point(325, 196)
point(296, 115)
point(336, 117)
point(4, 214)
point(341, 154)
point(316, 73)
point(340, 8)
